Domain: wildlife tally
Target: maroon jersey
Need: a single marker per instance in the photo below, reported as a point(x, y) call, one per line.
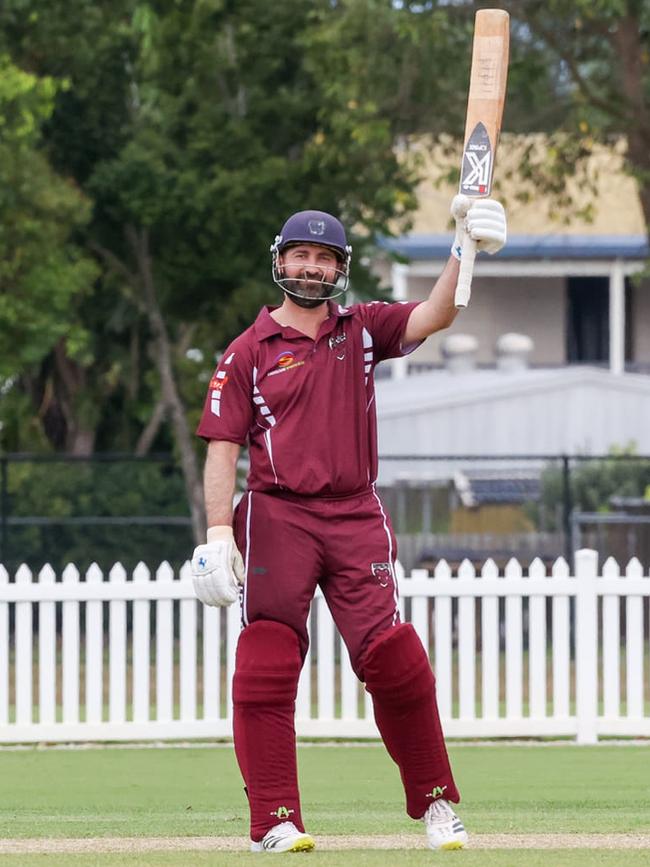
point(306, 407)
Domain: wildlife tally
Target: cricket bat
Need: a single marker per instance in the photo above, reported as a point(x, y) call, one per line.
point(487, 93)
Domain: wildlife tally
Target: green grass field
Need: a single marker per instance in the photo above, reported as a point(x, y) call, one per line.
point(346, 790)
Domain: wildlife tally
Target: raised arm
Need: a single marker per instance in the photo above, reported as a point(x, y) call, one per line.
point(484, 220)
point(438, 311)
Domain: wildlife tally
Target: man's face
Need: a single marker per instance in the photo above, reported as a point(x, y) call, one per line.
point(309, 271)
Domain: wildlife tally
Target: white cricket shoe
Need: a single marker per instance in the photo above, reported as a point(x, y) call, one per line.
point(444, 828)
point(284, 837)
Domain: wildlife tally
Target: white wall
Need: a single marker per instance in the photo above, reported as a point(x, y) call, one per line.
point(641, 322)
point(533, 306)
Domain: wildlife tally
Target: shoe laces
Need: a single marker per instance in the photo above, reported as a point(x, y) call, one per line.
point(438, 812)
point(285, 828)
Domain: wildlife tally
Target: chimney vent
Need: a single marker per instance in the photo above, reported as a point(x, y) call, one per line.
point(513, 351)
point(459, 352)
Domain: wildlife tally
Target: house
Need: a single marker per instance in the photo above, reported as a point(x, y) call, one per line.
point(521, 416)
point(551, 358)
point(568, 283)
point(552, 355)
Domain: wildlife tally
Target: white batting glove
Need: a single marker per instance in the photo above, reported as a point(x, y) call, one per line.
point(218, 568)
point(483, 219)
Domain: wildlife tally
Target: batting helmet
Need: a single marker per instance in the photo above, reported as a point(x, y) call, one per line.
point(313, 227)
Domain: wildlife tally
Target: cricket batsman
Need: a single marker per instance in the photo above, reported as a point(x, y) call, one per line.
point(297, 388)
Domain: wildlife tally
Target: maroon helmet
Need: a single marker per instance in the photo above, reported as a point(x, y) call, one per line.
point(313, 227)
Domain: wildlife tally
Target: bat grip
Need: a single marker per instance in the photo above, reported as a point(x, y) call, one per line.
point(464, 284)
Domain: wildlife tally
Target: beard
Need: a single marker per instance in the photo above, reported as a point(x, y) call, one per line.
point(307, 293)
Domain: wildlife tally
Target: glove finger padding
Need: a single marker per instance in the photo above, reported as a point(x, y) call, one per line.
point(214, 589)
point(213, 575)
point(460, 205)
point(486, 224)
point(238, 566)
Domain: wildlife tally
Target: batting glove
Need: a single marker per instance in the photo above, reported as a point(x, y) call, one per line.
point(483, 219)
point(218, 568)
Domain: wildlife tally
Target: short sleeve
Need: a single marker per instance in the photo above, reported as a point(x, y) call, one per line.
point(386, 323)
point(228, 409)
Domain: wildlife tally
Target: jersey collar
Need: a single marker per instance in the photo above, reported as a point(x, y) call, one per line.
point(266, 326)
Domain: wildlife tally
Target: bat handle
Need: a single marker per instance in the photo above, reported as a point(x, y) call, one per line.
point(464, 284)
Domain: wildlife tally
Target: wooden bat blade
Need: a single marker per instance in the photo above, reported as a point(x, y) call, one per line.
point(487, 94)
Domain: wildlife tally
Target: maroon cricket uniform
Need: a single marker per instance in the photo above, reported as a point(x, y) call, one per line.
point(311, 516)
point(306, 406)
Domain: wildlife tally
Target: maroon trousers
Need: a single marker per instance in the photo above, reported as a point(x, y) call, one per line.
point(290, 546)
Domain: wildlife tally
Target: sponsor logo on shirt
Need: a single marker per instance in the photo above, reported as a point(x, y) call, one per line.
point(286, 360)
point(217, 384)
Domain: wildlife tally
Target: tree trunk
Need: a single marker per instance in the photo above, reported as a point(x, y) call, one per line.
point(148, 435)
point(71, 383)
point(139, 242)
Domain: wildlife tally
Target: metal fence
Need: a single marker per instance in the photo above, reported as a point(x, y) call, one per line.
point(526, 506)
point(106, 507)
point(57, 509)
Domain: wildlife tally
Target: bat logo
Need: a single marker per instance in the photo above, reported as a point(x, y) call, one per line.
point(476, 174)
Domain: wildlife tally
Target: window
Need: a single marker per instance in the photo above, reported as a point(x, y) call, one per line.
point(588, 320)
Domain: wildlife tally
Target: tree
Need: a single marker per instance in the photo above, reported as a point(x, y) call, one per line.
point(187, 132)
point(195, 128)
point(593, 485)
point(42, 271)
point(601, 49)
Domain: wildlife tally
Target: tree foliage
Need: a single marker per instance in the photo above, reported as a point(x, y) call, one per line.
point(42, 271)
point(601, 51)
point(593, 483)
point(150, 150)
point(194, 129)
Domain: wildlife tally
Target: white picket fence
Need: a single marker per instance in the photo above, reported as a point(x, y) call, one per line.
point(139, 659)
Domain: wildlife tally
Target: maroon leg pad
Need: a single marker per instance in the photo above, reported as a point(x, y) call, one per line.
point(267, 667)
point(398, 676)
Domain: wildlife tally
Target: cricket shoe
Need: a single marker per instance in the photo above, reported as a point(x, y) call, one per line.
point(444, 828)
point(284, 837)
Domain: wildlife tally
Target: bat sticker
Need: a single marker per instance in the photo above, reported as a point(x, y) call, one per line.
point(477, 163)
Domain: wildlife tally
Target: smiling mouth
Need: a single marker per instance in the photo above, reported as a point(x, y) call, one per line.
point(309, 286)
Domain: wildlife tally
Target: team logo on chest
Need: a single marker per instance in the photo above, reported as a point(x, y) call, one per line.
point(336, 345)
point(383, 572)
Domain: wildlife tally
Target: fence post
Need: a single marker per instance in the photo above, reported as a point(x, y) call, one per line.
point(586, 632)
point(4, 505)
point(567, 507)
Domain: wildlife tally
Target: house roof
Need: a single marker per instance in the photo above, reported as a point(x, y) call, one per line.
point(540, 412)
point(497, 487)
point(426, 247)
point(440, 389)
